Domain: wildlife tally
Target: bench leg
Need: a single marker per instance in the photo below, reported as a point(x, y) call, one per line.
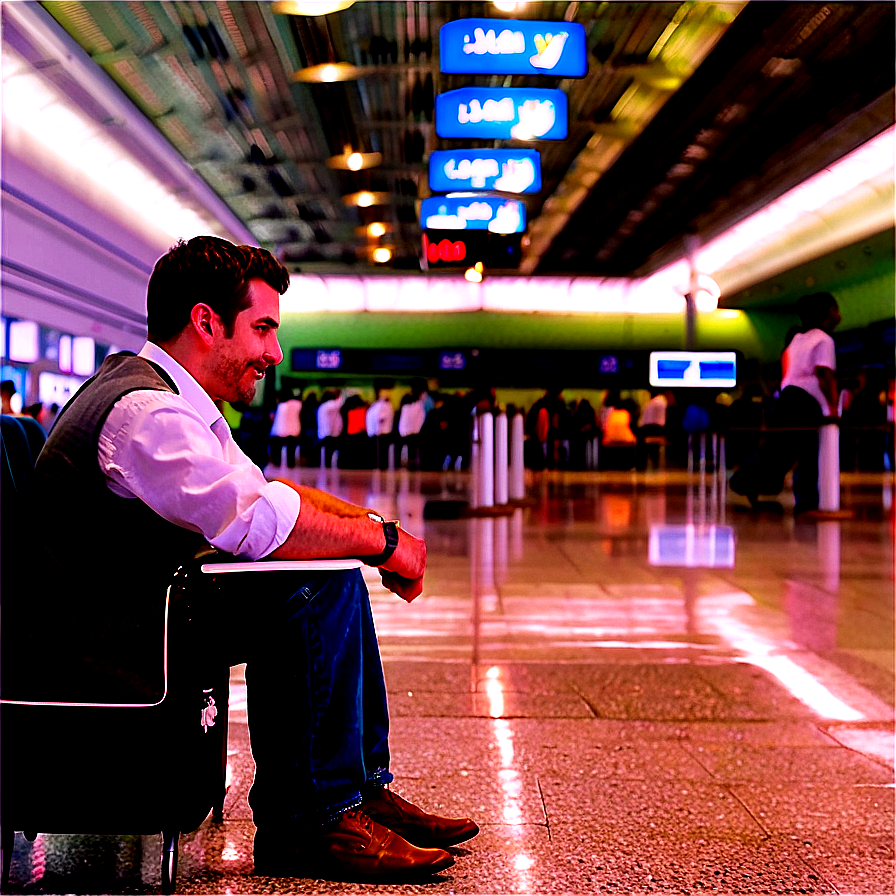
point(7, 844)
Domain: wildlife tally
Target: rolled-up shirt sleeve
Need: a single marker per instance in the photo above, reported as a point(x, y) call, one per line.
point(155, 447)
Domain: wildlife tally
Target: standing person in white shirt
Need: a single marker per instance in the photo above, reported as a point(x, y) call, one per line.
point(139, 473)
point(286, 429)
point(329, 425)
point(808, 395)
point(379, 422)
point(410, 421)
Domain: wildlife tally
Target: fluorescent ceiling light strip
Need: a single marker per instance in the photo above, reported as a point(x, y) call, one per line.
point(870, 166)
point(68, 135)
point(55, 45)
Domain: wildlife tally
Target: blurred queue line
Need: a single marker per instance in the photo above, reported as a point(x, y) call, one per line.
point(424, 427)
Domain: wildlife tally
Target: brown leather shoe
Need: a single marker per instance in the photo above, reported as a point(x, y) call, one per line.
point(415, 825)
point(354, 847)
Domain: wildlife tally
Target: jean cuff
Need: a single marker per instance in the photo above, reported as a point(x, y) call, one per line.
point(378, 778)
point(309, 821)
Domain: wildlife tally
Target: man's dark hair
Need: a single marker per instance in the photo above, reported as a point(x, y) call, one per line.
point(813, 308)
point(211, 270)
point(8, 387)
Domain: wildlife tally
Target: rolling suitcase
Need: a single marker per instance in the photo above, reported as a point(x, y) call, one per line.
point(151, 760)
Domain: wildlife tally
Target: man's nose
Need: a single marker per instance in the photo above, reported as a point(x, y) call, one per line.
point(273, 353)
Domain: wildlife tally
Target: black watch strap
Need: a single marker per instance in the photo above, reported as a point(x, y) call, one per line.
point(390, 530)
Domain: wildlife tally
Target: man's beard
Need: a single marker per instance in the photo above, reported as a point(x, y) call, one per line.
point(233, 374)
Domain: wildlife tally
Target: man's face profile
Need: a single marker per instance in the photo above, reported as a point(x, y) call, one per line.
point(240, 361)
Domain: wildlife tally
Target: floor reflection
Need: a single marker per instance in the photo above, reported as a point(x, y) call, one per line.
point(658, 562)
point(509, 779)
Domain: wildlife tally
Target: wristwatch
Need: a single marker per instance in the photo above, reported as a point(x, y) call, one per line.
point(390, 530)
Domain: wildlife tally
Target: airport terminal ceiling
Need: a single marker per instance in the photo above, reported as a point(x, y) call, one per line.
point(690, 117)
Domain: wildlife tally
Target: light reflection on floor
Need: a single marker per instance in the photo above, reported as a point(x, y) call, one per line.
point(595, 565)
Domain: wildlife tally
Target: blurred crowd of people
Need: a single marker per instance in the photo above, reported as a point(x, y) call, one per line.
point(426, 428)
point(421, 427)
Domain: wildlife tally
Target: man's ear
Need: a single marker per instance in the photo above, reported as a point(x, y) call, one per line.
point(202, 318)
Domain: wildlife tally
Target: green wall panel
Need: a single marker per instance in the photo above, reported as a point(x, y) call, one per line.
point(749, 333)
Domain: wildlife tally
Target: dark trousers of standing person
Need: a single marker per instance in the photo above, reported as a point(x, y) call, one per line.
point(278, 443)
point(318, 717)
point(763, 474)
point(382, 444)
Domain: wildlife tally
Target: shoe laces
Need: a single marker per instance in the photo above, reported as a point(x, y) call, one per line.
point(362, 818)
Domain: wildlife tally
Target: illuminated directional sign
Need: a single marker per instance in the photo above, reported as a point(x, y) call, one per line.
point(502, 113)
point(501, 47)
point(505, 170)
point(473, 213)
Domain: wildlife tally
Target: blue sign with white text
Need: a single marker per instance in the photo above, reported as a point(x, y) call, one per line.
point(502, 113)
point(492, 213)
point(502, 47)
point(505, 170)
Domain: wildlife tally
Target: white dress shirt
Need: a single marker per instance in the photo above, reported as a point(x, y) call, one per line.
point(176, 454)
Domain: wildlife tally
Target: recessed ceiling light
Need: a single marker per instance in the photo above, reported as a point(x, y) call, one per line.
point(310, 7)
point(475, 273)
point(328, 73)
point(366, 198)
point(355, 161)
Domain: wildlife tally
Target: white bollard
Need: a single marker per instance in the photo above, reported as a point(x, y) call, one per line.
point(475, 466)
point(517, 459)
point(487, 460)
point(829, 467)
point(501, 460)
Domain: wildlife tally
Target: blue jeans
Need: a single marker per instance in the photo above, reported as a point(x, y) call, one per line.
point(318, 717)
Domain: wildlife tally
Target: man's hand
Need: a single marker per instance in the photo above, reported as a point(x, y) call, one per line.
point(406, 589)
point(403, 572)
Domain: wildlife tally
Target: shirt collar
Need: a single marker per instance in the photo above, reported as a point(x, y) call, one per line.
point(186, 385)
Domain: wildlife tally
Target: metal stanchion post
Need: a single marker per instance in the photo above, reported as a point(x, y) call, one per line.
point(829, 467)
point(487, 459)
point(501, 459)
point(475, 466)
point(517, 459)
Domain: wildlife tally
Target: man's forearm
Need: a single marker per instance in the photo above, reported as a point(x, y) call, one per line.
point(326, 502)
point(329, 527)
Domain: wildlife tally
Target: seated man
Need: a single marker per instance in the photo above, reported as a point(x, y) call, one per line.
point(144, 462)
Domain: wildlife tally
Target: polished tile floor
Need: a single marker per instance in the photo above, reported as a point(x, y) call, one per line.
point(635, 684)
